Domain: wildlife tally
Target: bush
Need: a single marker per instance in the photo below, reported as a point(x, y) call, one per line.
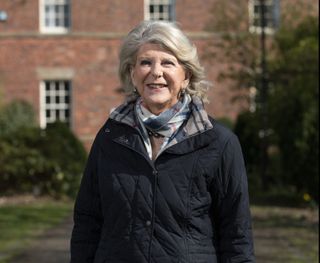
point(63, 148)
point(247, 129)
point(227, 122)
point(16, 115)
point(46, 161)
point(293, 118)
point(23, 167)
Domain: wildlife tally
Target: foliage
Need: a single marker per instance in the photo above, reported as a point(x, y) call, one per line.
point(295, 93)
point(293, 106)
point(293, 109)
point(238, 51)
point(48, 161)
point(227, 122)
point(247, 128)
point(234, 46)
point(16, 115)
point(63, 148)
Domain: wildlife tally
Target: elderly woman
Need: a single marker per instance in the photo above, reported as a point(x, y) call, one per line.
point(164, 181)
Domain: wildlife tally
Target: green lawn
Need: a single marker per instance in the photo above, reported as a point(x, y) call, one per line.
point(20, 223)
point(286, 235)
point(282, 235)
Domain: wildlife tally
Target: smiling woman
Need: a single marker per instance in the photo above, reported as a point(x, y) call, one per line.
point(159, 78)
point(164, 181)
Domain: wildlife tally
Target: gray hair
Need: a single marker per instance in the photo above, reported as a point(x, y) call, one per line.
point(170, 37)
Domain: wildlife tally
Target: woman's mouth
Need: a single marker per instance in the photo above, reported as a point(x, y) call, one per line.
point(156, 86)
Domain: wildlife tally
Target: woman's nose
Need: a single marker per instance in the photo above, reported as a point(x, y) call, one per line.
point(156, 71)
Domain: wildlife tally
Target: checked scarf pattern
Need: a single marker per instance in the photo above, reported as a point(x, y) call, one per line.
point(196, 122)
point(165, 124)
point(168, 121)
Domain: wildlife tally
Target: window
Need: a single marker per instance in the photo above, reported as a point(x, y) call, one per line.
point(160, 10)
point(271, 14)
point(55, 16)
point(55, 102)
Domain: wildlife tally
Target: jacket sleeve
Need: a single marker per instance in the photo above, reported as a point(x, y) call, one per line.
point(87, 213)
point(231, 213)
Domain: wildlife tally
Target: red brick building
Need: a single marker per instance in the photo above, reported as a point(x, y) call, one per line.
point(62, 55)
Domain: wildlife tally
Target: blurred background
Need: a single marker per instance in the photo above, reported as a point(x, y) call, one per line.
point(58, 84)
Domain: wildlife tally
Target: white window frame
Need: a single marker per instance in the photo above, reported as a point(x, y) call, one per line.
point(61, 107)
point(55, 29)
point(168, 16)
point(274, 16)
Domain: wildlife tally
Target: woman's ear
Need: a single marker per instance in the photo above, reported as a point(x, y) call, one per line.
point(186, 80)
point(132, 75)
point(185, 83)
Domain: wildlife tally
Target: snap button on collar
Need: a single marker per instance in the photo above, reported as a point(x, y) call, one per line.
point(123, 139)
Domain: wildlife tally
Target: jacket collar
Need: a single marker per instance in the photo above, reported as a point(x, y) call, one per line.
point(198, 123)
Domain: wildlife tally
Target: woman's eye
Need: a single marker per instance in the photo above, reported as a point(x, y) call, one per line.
point(145, 62)
point(168, 62)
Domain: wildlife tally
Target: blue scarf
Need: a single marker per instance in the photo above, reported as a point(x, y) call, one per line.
point(197, 121)
point(165, 124)
point(168, 121)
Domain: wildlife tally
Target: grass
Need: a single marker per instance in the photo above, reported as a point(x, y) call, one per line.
point(282, 235)
point(286, 234)
point(20, 223)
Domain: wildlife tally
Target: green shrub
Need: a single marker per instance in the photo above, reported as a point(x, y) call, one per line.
point(48, 161)
point(62, 147)
point(23, 167)
point(16, 115)
point(227, 122)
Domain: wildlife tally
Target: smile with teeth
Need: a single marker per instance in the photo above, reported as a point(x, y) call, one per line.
point(156, 86)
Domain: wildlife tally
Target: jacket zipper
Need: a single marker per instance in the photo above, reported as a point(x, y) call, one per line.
point(155, 175)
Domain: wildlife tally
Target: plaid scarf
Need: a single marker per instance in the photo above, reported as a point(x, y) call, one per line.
point(197, 122)
point(168, 121)
point(165, 124)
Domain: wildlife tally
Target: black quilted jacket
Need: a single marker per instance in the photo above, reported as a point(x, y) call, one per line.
point(189, 206)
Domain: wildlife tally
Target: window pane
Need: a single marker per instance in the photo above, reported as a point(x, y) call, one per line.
point(57, 22)
point(57, 14)
point(170, 11)
point(66, 22)
point(161, 10)
point(271, 13)
point(47, 23)
point(66, 86)
point(47, 84)
point(57, 100)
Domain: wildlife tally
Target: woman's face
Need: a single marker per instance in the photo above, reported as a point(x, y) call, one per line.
point(158, 77)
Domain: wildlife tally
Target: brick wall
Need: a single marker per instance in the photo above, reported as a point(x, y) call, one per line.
point(90, 52)
point(94, 84)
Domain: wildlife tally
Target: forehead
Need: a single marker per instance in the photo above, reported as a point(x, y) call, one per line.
point(150, 50)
